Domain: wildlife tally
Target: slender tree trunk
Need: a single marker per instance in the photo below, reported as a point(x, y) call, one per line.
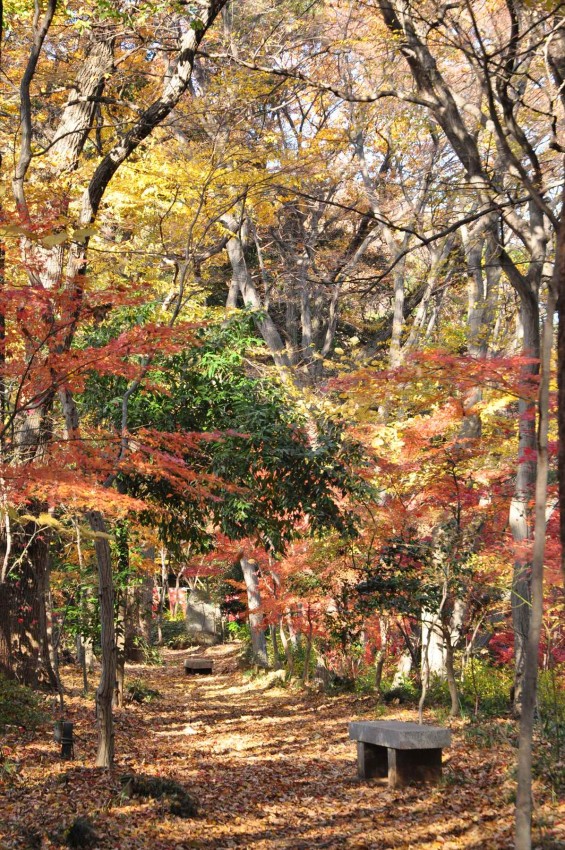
point(48, 651)
point(287, 648)
point(145, 609)
point(450, 673)
point(81, 657)
point(256, 621)
point(559, 283)
point(26, 611)
point(520, 522)
point(380, 656)
point(308, 654)
point(294, 637)
point(105, 690)
point(6, 666)
point(276, 656)
point(122, 597)
point(120, 638)
point(556, 57)
point(177, 592)
point(162, 594)
point(529, 691)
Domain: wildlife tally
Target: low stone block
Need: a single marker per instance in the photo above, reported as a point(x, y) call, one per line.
point(400, 735)
point(405, 752)
point(198, 666)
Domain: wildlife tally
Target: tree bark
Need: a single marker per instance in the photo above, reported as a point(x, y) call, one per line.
point(6, 664)
point(276, 656)
point(523, 829)
point(243, 283)
point(450, 673)
point(105, 690)
point(556, 57)
point(256, 620)
point(287, 648)
point(520, 521)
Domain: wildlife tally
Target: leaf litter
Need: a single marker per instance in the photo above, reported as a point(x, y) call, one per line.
point(270, 769)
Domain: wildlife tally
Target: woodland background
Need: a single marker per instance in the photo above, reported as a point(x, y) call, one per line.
point(281, 298)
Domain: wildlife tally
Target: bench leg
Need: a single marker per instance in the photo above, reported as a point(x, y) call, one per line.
point(371, 760)
point(406, 766)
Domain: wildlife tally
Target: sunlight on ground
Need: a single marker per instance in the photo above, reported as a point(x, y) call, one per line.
point(271, 770)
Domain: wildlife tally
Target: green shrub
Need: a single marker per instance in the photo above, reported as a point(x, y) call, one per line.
point(486, 688)
point(169, 617)
point(19, 706)
point(238, 631)
point(487, 734)
point(549, 761)
point(174, 634)
point(438, 694)
point(365, 682)
point(406, 691)
point(180, 641)
point(139, 691)
point(551, 703)
point(150, 654)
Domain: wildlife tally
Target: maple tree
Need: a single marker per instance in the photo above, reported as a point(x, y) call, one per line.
point(375, 189)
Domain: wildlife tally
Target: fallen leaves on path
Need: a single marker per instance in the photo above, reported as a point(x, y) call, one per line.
point(272, 769)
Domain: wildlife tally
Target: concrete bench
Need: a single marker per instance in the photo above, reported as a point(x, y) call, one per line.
point(198, 665)
point(405, 752)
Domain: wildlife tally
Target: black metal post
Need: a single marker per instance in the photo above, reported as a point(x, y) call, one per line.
point(63, 734)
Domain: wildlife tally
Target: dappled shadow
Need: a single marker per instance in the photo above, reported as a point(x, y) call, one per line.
point(272, 770)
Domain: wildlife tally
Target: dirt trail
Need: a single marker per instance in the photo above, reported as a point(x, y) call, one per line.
point(271, 769)
point(274, 769)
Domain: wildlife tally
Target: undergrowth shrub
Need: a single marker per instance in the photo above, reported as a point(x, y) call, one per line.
point(150, 654)
point(19, 706)
point(170, 617)
point(549, 759)
point(175, 635)
point(139, 691)
point(485, 689)
point(237, 630)
point(365, 682)
point(405, 691)
point(489, 733)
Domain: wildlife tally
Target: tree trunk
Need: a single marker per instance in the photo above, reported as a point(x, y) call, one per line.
point(529, 691)
point(256, 621)
point(287, 648)
point(81, 658)
point(307, 655)
point(450, 673)
point(276, 656)
point(176, 599)
point(120, 638)
point(242, 282)
point(520, 524)
point(105, 690)
point(25, 621)
point(6, 666)
point(556, 57)
point(48, 656)
point(433, 659)
point(380, 656)
point(162, 595)
point(145, 609)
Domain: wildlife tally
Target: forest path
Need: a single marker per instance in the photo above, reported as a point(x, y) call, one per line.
point(272, 769)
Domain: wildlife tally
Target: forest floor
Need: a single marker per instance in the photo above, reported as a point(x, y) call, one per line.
point(271, 769)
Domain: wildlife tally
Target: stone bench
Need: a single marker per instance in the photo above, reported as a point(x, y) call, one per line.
point(198, 665)
point(405, 752)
